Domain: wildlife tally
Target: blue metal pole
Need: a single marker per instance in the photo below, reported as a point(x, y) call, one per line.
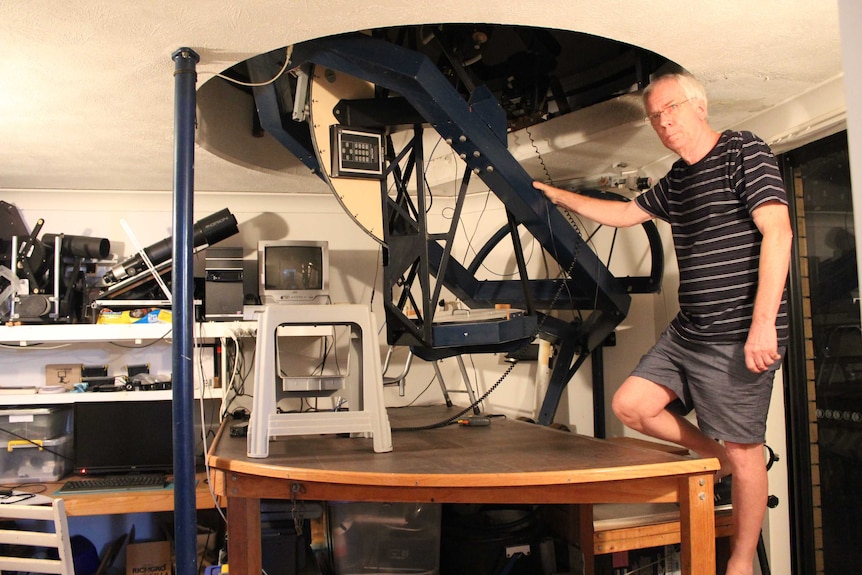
point(185, 514)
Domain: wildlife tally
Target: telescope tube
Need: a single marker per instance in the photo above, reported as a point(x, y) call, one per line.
point(211, 229)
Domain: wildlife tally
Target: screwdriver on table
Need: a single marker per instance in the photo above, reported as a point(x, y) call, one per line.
point(475, 421)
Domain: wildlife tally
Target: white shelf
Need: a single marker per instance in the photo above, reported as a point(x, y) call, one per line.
point(30, 336)
point(92, 396)
point(24, 335)
point(9, 399)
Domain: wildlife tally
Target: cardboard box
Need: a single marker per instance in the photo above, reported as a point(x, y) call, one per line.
point(63, 374)
point(151, 558)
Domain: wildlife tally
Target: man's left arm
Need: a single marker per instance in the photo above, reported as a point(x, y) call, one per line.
point(773, 220)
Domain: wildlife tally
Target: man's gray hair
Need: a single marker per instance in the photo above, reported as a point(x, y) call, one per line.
point(690, 85)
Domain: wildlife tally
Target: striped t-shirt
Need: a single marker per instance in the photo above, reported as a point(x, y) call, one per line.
point(709, 205)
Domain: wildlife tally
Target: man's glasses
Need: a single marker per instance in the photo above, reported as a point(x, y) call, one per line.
point(671, 110)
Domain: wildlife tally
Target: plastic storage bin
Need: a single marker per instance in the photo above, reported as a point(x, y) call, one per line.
point(24, 461)
point(36, 422)
point(388, 538)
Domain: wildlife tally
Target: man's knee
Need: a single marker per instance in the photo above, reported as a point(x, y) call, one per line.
point(625, 403)
point(746, 456)
point(638, 399)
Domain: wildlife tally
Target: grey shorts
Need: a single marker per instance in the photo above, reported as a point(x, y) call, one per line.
point(730, 402)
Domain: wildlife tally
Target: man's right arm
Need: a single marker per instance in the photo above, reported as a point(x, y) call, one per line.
point(607, 212)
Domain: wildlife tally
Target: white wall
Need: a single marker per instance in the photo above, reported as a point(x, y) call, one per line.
point(850, 21)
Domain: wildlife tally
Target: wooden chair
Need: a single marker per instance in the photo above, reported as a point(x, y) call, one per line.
point(20, 534)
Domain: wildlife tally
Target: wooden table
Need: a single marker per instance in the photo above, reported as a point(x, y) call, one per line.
point(507, 462)
point(121, 502)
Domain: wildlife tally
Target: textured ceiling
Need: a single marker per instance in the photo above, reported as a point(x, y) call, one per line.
point(86, 87)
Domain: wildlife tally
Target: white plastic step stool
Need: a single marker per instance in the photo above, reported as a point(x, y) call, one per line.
point(366, 414)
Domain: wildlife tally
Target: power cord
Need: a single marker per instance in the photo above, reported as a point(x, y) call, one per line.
point(460, 414)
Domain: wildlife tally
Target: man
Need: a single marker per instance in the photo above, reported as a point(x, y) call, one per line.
point(725, 201)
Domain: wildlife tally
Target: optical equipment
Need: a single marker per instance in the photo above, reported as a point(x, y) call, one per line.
point(206, 232)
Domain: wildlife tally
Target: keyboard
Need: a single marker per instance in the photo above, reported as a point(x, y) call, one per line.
point(139, 481)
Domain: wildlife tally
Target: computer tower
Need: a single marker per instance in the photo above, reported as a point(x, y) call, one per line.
point(223, 299)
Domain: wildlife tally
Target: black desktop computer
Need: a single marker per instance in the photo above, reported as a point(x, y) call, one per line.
point(223, 299)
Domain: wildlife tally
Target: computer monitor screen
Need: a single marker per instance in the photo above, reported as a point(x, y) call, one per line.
point(123, 437)
point(293, 271)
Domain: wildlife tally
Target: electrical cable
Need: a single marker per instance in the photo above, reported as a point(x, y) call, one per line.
point(35, 443)
point(421, 393)
point(457, 416)
point(143, 346)
point(34, 347)
point(204, 443)
point(469, 239)
point(289, 51)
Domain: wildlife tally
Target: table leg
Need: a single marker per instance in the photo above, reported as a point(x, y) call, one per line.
point(243, 532)
point(585, 528)
point(697, 524)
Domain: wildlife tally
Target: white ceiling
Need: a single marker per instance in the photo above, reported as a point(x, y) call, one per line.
point(87, 88)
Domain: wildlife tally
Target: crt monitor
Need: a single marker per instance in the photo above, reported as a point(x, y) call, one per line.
point(293, 271)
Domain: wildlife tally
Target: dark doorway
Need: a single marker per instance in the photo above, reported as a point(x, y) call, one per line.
point(830, 503)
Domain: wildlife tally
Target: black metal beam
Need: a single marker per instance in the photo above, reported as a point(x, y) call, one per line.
point(471, 135)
